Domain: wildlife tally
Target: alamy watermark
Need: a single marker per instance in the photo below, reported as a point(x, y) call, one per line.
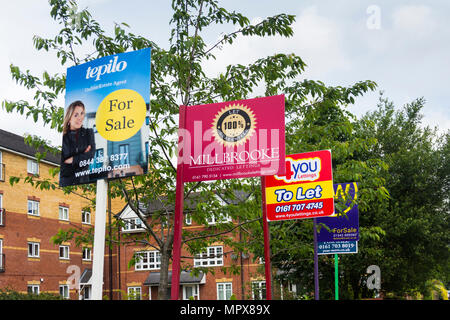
point(374, 20)
point(374, 280)
point(74, 279)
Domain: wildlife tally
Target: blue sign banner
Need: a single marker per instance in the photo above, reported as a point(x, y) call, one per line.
point(105, 130)
point(344, 227)
point(337, 247)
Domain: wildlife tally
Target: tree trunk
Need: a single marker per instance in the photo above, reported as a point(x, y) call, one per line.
point(164, 275)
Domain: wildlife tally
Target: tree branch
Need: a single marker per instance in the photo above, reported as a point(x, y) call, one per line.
point(222, 232)
point(138, 212)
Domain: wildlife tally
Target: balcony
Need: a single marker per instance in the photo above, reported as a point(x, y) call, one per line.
point(2, 217)
point(2, 262)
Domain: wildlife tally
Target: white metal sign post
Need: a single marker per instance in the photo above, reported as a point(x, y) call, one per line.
point(99, 239)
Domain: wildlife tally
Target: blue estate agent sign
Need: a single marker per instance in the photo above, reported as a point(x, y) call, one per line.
point(105, 134)
point(337, 247)
point(342, 228)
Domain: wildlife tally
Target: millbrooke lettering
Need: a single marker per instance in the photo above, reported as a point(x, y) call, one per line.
point(235, 157)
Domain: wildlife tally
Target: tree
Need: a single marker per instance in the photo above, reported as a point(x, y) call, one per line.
point(177, 78)
point(416, 216)
point(319, 120)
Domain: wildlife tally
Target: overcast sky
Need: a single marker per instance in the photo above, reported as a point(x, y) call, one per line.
point(404, 46)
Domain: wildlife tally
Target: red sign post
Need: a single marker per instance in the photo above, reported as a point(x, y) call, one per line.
point(235, 139)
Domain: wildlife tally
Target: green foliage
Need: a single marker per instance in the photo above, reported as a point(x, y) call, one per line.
point(415, 217)
point(402, 227)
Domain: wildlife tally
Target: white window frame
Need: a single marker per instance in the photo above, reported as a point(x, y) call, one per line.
point(223, 290)
point(259, 286)
point(34, 210)
point(32, 166)
point(132, 224)
point(1, 168)
point(85, 217)
point(212, 257)
point(33, 288)
point(2, 266)
point(221, 219)
point(148, 260)
point(134, 291)
point(86, 292)
point(292, 287)
point(35, 249)
point(1, 203)
point(64, 291)
point(63, 213)
point(65, 252)
point(188, 219)
point(87, 254)
point(195, 290)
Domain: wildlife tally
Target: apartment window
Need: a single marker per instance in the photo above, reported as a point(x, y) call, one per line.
point(33, 288)
point(259, 290)
point(292, 287)
point(85, 217)
point(33, 249)
point(86, 293)
point(2, 178)
point(2, 262)
point(191, 290)
point(87, 254)
point(220, 219)
point(2, 212)
point(33, 208)
point(132, 224)
point(188, 219)
point(64, 291)
point(64, 252)
point(213, 256)
point(224, 290)
point(148, 260)
point(32, 166)
point(64, 213)
point(134, 293)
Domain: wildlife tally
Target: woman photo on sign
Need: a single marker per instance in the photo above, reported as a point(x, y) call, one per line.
point(77, 148)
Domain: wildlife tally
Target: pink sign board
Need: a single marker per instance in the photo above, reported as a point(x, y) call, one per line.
point(234, 139)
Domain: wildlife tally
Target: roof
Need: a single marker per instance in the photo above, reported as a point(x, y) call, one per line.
point(185, 278)
point(14, 142)
point(190, 203)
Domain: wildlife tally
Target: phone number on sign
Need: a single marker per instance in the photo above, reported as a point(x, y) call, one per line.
point(299, 207)
point(101, 159)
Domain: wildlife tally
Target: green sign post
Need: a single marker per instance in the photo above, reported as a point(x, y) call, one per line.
point(336, 278)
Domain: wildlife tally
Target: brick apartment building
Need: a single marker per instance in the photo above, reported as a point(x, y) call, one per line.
point(29, 261)
point(143, 278)
point(30, 217)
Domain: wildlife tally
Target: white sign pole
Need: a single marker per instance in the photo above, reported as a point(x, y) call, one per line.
point(99, 239)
